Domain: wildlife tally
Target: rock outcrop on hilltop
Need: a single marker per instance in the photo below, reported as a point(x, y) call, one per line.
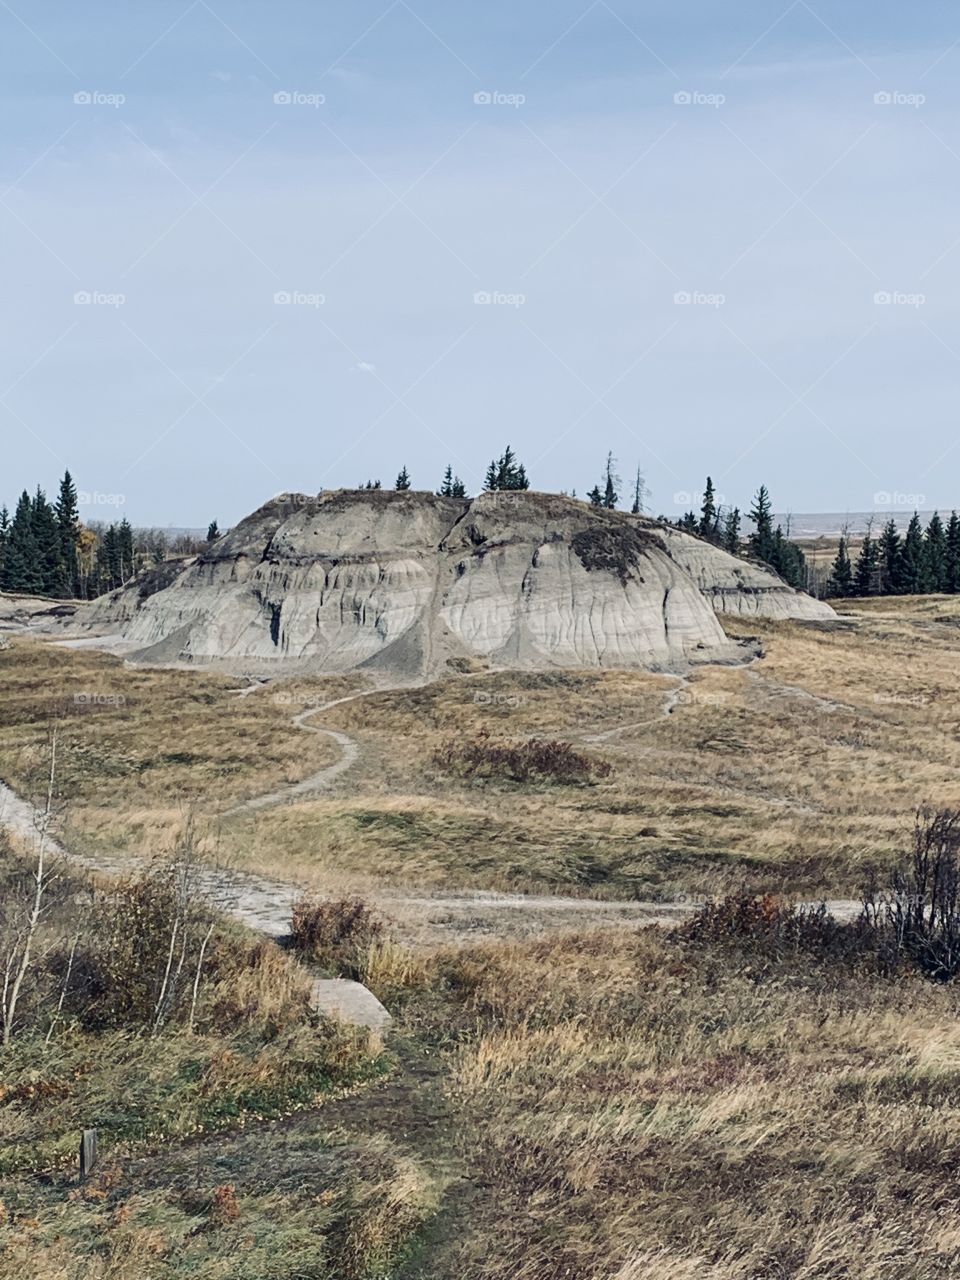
point(404, 582)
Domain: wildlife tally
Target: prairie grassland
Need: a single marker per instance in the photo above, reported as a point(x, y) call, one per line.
point(180, 1189)
point(631, 1107)
point(790, 774)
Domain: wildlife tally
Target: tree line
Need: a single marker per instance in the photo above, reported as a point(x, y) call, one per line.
point(919, 562)
point(45, 549)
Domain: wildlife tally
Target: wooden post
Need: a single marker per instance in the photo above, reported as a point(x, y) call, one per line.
point(88, 1152)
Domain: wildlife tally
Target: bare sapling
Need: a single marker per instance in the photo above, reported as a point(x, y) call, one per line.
point(21, 942)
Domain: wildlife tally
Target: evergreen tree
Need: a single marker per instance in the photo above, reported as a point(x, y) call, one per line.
point(731, 531)
point(761, 514)
point(21, 562)
point(446, 489)
point(867, 575)
point(889, 549)
point(458, 489)
point(213, 531)
point(935, 555)
point(688, 522)
point(595, 497)
point(67, 512)
point(788, 560)
point(4, 531)
point(709, 519)
point(911, 564)
point(638, 494)
point(952, 574)
point(47, 538)
point(125, 555)
point(403, 480)
point(506, 473)
point(840, 582)
point(611, 486)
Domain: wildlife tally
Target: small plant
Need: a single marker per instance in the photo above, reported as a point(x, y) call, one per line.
point(530, 760)
point(335, 934)
point(224, 1208)
point(918, 913)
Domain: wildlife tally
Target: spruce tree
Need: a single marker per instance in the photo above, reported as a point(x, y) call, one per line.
point(458, 489)
point(953, 554)
point(867, 575)
point(4, 531)
point(761, 541)
point(840, 582)
point(935, 555)
point(403, 480)
point(47, 538)
point(708, 513)
point(213, 531)
point(912, 574)
point(125, 555)
point(67, 513)
point(731, 531)
point(506, 473)
point(446, 489)
point(638, 494)
point(890, 550)
point(595, 497)
point(21, 562)
point(611, 485)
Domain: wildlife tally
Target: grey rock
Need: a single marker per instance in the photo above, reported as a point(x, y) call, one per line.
point(403, 583)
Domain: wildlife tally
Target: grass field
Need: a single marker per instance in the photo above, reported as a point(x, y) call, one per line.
point(598, 1104)
point(789, 774)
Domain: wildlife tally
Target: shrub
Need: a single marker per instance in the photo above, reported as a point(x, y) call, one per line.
point(335, 933)
point(918, 913)
point(770, 930)
point(529, 760)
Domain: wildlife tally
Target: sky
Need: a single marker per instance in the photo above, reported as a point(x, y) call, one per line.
point(251, 248)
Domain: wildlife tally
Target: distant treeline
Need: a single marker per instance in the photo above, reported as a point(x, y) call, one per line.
point(919, 562)
point(46, 550)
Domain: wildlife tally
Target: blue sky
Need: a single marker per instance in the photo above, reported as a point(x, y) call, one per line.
point(712, 238)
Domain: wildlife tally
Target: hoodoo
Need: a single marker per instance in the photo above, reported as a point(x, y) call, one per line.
point(403, 582)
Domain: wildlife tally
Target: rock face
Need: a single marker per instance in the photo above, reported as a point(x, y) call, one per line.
point(404, 582)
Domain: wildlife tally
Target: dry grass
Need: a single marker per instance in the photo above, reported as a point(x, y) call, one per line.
point(637, 1108)
point(790, 774)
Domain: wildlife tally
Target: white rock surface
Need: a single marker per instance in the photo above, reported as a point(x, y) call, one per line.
point(401, 582)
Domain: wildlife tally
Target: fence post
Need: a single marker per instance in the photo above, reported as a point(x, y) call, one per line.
point(88, 1152)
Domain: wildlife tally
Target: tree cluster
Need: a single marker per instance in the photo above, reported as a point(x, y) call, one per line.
point(918, 562)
